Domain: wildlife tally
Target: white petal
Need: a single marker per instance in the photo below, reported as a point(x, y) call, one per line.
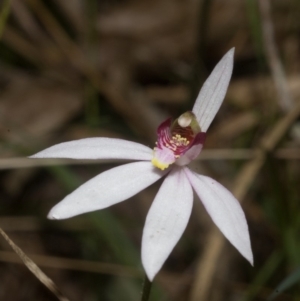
point(190, 155)
point(166, 220)
point(97, 148)
point(213, 91)
point(108, 188)
point(225, 211)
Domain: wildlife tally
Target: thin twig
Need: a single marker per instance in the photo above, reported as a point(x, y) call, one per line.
point(35, 269)
point(207, 264)
point(284, 98)
point(206, 155)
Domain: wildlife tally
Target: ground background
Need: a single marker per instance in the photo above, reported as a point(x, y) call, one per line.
point(75, 69)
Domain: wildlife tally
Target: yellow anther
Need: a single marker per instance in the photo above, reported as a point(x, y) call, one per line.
point(159, 164)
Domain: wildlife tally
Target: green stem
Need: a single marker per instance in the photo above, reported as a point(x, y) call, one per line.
point(146, 289)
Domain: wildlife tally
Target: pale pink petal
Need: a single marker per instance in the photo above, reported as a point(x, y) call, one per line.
point(97, 148)
point(166, 220)
point(213, 91)
point(225, 211)
point(108, 188)
point(190, 155)
point(163, 157)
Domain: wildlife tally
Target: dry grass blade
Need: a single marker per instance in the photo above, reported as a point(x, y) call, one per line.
point(5, 8)
point(208, 262)
point(15, 163)
point(122, 104)
point(284, 98)
point(208, 154)
point(35, 269)
point(76, 265)
point(21, 45)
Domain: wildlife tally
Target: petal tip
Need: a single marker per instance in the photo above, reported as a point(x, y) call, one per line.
point(39, 155)
point(247, 254)
point(251, 260)
point(53, 216)
point(228, 58)
point(231, 52)
point(150, 276)
point(150, 270)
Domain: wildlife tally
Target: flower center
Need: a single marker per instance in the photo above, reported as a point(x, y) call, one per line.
point(180, 139)
point(175, 139)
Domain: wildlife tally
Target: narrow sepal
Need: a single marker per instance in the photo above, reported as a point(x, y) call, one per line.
point(213, 91)
point(225, 211)
point(108, 188)
point(166, 220)
point(97, 148)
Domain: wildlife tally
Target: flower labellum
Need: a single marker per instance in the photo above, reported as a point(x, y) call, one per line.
point(175, 139)
point(178, 143)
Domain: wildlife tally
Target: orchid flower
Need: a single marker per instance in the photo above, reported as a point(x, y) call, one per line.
point(179, 142)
